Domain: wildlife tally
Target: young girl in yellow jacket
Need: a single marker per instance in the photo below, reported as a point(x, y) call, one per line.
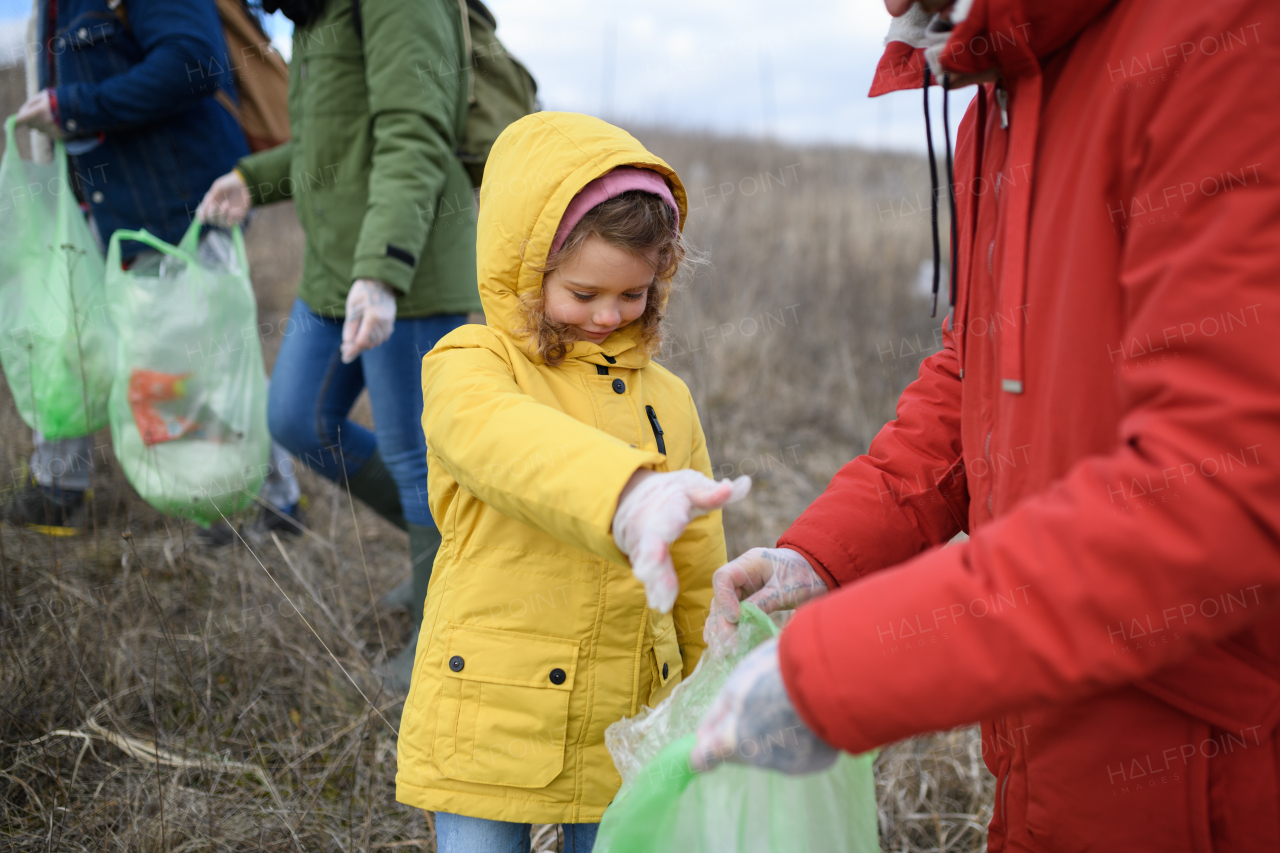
point(571, 484)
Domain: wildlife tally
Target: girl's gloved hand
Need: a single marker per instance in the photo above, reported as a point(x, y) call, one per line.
point(753, 722)
point(653, 511)
point(371, 316)
point(227, 202)
point(771, 578)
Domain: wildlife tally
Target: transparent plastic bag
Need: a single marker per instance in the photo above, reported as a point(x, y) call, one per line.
point(189, 402)
point(665, 806)
point(56, 341)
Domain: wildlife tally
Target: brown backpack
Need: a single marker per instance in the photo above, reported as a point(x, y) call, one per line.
point(260, 74)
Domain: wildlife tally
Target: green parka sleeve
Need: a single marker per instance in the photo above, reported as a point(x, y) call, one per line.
point(416, 92)
point(267, 174)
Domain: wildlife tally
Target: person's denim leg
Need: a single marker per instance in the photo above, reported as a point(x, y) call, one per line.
point(393, 372)
point(461, 834)
point(280, 487)
point(312, 393)
point(579, 837)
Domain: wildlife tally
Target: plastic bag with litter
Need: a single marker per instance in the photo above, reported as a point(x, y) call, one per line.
point(56, 341)
point(189, 403)
point(664, 806)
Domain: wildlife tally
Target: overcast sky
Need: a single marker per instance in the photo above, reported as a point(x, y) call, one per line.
point(750, 67)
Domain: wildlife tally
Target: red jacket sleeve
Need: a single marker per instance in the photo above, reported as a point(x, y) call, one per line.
point(1025, 612)
point(906, 494)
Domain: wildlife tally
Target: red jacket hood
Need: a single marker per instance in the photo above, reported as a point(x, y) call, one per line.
point(1011, 35)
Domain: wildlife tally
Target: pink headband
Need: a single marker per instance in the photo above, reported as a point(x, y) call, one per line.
point(615, 183)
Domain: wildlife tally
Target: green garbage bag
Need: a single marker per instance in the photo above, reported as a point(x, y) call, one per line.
point(665, 806)
point(56, 341)
point(189, 401)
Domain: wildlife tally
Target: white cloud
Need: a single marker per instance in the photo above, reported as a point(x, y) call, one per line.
point(13, 35)
point(735, 67)
point(280, 29)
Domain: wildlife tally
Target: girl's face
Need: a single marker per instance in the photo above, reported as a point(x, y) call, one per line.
point(601, 289)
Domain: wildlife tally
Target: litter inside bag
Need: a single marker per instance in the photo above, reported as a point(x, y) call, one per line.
point(169, 406)
point(665, 806)
point(188, 408)
point(56, 341)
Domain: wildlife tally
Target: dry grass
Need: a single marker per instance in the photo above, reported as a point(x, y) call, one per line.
point(154, 696)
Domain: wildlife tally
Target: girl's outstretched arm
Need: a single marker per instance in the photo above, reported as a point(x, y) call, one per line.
point(526, 459)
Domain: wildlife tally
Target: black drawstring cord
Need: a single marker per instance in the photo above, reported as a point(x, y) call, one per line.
point(951, 181)
point(933, 186)
point(933, 194)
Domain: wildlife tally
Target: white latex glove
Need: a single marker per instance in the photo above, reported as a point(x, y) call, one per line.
point(371, 316)
point(653, 511)
point(227, 202)
point(771, 578)
point(37, 114)
point(753, 722)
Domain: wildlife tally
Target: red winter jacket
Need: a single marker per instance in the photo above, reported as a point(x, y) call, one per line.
point(1104, 421)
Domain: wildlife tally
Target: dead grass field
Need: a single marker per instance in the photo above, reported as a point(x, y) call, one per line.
point(154, 696)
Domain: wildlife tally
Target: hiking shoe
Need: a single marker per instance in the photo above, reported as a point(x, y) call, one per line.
point(285, 521)
point(54, 512)
point(216, 535)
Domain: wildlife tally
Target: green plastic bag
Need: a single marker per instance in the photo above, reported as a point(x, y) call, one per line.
point(56, 341)
point(665, 806)
point(189, 401)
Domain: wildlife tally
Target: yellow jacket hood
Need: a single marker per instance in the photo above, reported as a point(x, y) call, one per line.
point(535, 169)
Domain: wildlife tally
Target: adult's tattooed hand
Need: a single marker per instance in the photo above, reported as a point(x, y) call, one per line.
point(753, 722)
point(770, 578)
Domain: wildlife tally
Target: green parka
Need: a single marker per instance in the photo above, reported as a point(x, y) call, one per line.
point(372, 165)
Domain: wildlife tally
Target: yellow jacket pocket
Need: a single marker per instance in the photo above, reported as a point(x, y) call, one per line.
point(504, 706)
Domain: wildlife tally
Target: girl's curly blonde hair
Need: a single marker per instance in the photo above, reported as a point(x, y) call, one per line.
point(637, 222)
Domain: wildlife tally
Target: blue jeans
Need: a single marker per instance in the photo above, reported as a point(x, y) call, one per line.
point(312, 393)
point(459, 834)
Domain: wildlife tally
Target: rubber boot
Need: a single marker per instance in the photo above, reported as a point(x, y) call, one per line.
point(53, 512)
point(374, 485)
point(377, 489)
point(405, 594)
point(399, 596)
point(424, 542)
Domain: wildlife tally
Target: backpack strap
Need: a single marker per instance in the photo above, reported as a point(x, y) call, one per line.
point(468, 57)
point(229, 105)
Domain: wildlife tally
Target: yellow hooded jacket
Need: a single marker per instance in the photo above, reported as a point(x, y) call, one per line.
point(536, 636)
